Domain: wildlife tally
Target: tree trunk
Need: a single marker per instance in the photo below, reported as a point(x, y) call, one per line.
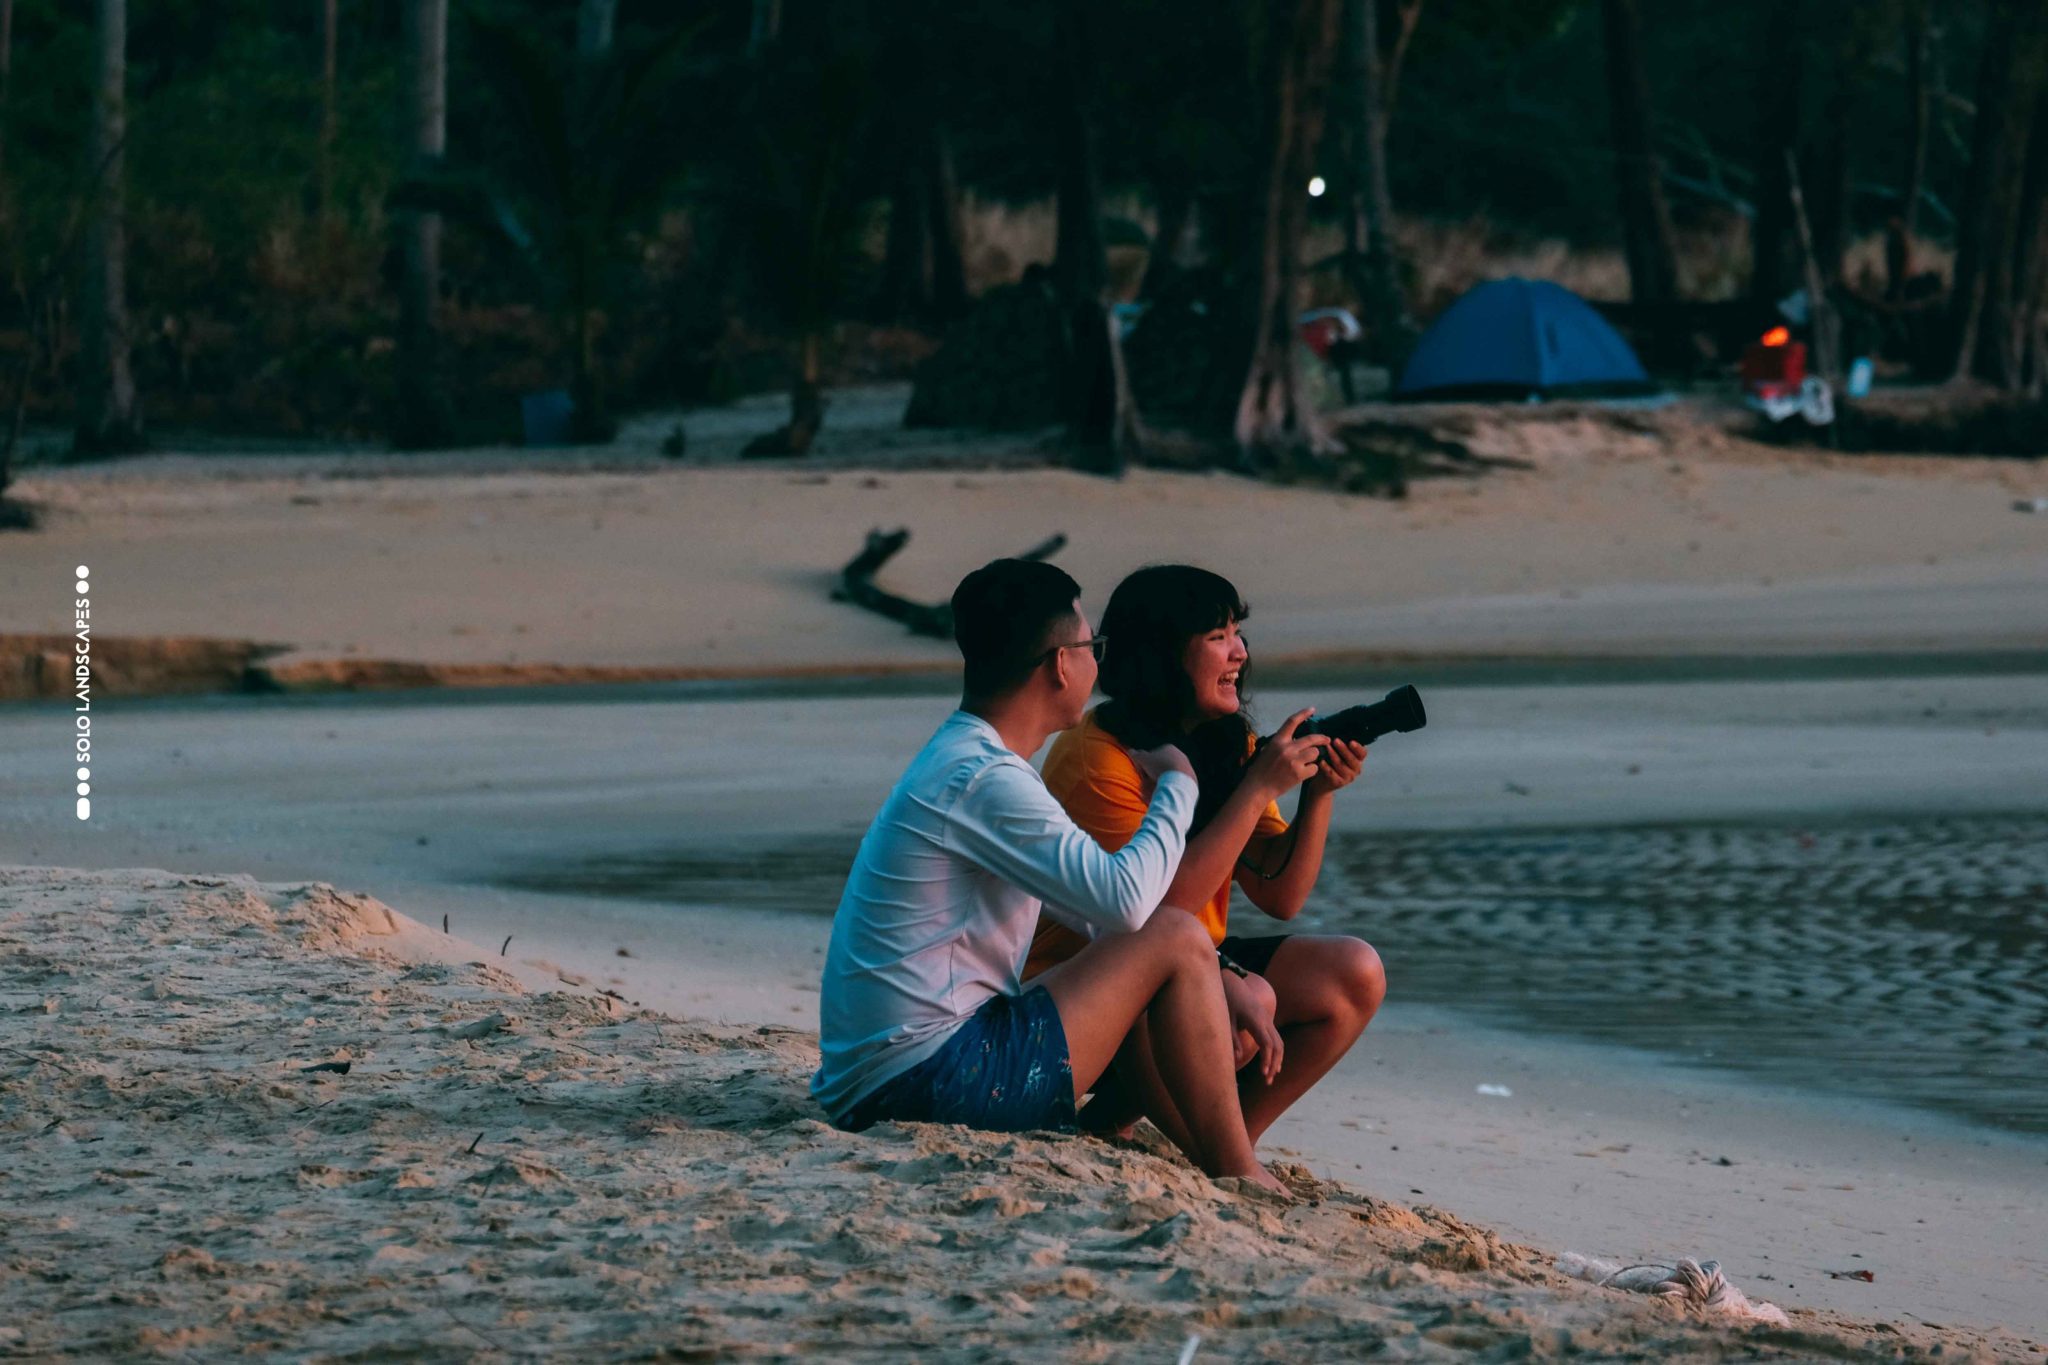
point(945, 231)
point(6, 86)
point(28, 293)
point(807, 395)
point(1987, 239)
point(806, 404)
point(1899, 232)
point(424, 419)
point(1638, 170)
point(1296, 44)
point(1407, 14)
point(1162, 262)
point(1371, 262)
point(1080, 265)
point(764, 27)
point(924, 272)
point(595, 20)
point(1771, 247)
point(108, 418)
point(1823, 322)
point(12, 436)
point(591, 421)
point(1831, 207)
point(330, 34)
point(906, 259)
point(2026, 335)
point(14, 256)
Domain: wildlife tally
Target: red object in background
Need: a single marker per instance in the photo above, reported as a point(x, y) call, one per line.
point(1770, 370)
point(1323, 328)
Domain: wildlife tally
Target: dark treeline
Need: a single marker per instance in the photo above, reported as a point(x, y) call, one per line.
point(388, 219)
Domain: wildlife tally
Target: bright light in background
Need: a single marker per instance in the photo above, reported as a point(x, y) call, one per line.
point(1316, 188)
point(1777, 336)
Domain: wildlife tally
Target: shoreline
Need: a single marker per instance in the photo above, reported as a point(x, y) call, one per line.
point(154, 668)
point(1614, 542)
point(360, 1223)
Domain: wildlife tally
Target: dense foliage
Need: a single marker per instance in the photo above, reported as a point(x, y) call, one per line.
point(736, 198)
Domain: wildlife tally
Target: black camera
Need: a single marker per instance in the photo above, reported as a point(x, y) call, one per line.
point(1398, 712)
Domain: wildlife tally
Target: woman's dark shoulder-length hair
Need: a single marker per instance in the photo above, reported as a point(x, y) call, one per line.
point(1149, 620)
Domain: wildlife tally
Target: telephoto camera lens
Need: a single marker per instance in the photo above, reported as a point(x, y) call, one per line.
point(1399, 711)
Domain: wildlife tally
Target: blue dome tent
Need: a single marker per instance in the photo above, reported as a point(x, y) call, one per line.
point(1517, 339)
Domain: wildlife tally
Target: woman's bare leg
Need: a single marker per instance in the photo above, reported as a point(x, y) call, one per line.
point(1328, 989)
point(1164, 973)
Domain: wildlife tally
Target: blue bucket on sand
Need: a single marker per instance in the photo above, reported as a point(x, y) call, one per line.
point(546, 417)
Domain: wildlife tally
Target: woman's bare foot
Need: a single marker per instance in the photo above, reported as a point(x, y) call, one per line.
point(1260, 1176)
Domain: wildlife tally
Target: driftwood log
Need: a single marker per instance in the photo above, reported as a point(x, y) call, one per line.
point(857, 583)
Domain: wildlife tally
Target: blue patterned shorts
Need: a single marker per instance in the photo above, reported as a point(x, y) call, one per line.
point(1004, 1070)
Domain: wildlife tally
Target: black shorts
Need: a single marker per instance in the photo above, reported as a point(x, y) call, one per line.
point(1252, 952)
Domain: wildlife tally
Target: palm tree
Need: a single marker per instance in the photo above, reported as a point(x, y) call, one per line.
point(597, 152)
point(1294, 40)
point(1639, 173)
point(798, 196)
point(109, 417)
point(424, 419)
point(1995, 306)
point(1365, 107)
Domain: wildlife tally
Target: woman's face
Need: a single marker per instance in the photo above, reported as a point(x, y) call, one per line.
point(1214, 660)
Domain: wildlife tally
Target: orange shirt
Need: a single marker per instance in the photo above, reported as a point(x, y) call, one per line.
point(1091, 774)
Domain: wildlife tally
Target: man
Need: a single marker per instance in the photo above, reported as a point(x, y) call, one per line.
point(922, 1015)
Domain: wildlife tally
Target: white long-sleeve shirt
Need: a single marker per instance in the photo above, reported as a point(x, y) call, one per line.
point(939, 909)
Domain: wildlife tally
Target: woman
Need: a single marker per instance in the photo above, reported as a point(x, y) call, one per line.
point(1174, 671)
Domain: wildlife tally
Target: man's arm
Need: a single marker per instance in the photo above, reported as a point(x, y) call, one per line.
point(1009, 824)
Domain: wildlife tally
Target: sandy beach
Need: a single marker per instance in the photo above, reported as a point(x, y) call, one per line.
point(1659, 537)
point(435, 1159)
point(707, 839)
point(1722, 856)
point(482, 711)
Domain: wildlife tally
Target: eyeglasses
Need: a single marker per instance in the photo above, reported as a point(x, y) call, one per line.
point(1094, 646)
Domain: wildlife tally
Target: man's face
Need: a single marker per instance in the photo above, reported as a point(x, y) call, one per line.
point(1076, 666)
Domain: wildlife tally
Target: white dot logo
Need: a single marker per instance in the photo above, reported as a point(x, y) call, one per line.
point(84, 722)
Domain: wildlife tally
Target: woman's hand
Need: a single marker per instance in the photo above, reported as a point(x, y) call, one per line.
point(1343, 760)
point(1286, 760)
point(1251, 1003)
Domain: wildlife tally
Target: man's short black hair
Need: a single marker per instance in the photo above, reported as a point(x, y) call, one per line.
point(1002, 615)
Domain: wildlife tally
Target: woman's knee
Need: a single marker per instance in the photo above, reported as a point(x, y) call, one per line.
point(1361, 977)
point(1333, 978)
